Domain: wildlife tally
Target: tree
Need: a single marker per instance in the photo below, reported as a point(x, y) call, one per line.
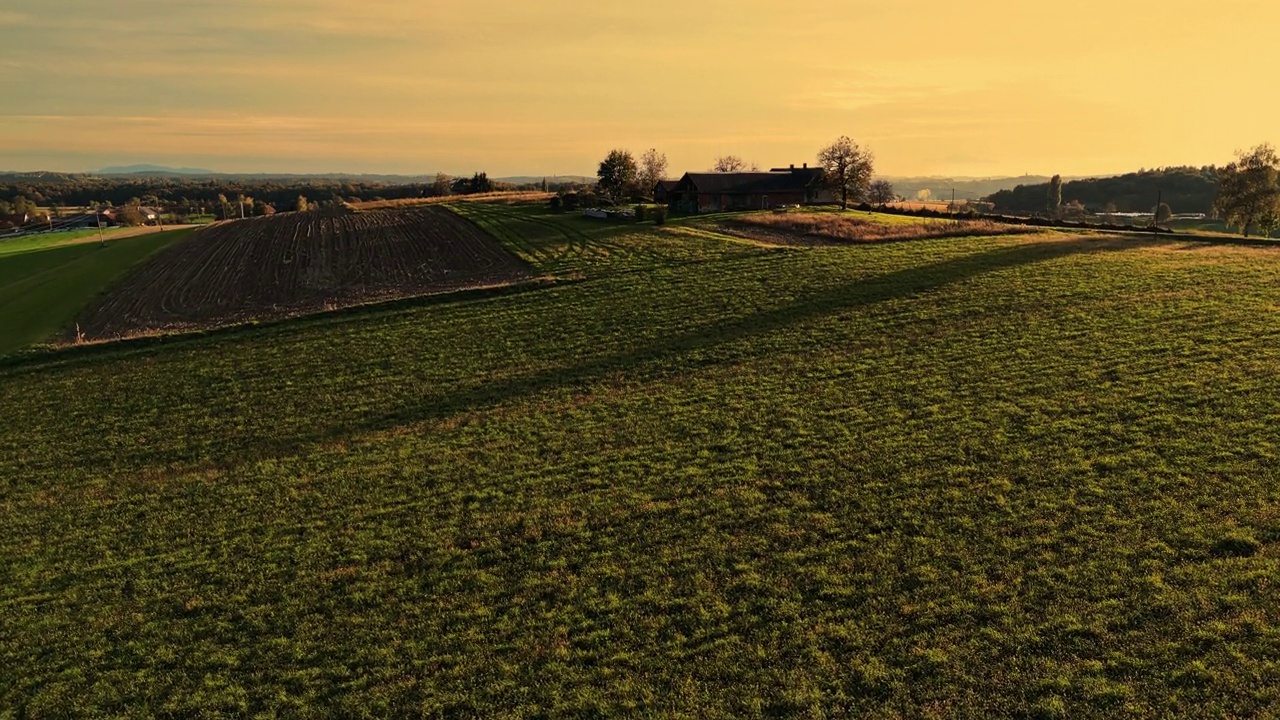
point(1269, 221)
point(847, 169)
point(881, 192)
point(1162, 214)
point(23, 206)
point(301, 205)
point(480, 183)
point(1249, 189)
point(728, 164)
point(617, 175)
point(1054, 202)
point(441, 186)
point(130, 216)
point(653, 167)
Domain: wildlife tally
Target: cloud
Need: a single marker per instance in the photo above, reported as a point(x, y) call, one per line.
point(9, 18)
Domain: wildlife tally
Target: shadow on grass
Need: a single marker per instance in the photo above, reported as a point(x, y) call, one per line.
point(40, 357)
point(655, 361)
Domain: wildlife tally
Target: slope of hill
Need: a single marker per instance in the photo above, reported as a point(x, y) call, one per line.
point(295, 263)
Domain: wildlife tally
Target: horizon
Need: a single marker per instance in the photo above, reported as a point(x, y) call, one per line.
point(184, 171)
point(390, 88)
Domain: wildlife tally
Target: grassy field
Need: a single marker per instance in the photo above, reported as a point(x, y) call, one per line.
point(1028, 477)
point(46, 279)
point(44, 241)
point(569, 245)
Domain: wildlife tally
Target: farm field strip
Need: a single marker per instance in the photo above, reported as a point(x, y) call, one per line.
point(294, 263)
point(569, 245)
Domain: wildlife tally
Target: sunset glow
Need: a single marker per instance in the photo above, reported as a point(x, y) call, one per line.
point(980, 88)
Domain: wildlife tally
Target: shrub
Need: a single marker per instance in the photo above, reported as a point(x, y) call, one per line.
point(659, 215)
point(641, 213)
point(557, 203)
point(130, 217)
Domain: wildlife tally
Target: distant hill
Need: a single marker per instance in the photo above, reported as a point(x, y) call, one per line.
point(163, 171)
point(1185, 189)
point(551, 179)
point(966, 188)
point(40, 176)
point(152, 170)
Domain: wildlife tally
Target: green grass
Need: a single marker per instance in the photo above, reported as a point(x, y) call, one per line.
point(569, 245)
point(44, 241)
point(947, 478)
point(44, 281)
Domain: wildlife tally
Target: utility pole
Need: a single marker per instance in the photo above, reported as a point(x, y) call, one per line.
point(97, 214)
point(242, 208)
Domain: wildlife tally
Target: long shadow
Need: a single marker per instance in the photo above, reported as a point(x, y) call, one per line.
point(651, 361)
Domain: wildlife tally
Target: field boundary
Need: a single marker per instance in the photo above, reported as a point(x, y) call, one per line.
point(52, 353)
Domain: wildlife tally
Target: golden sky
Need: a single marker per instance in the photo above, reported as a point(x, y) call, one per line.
point(984, 87)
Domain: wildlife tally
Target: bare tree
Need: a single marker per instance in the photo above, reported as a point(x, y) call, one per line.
point(728, 164)
point(881, 192)
point(653, 167)
point(847, 168)
point(442, 185)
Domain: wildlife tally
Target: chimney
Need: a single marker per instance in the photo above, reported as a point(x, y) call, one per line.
point(793, 166)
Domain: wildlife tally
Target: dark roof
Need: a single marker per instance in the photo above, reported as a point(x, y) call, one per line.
point(778, 181)
point(667, 185)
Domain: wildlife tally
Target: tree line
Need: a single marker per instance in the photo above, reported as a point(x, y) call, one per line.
point(1245, 193)
point(847, 170)
point(206, 195)
point(1184, 189)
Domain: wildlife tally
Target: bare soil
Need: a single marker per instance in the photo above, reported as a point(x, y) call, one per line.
point(298, 263)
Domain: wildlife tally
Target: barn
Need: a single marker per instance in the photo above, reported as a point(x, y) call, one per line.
point(721, 192)
point(662, 191)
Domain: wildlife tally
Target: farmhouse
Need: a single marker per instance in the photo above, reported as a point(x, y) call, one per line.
point(718, 192)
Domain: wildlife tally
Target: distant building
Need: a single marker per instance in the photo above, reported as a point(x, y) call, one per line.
point(87, 220)
point(148, 215)
point(662, 191)
point(14, 221)
point(720, 192)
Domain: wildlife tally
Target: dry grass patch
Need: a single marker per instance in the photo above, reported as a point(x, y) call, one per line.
point(840, 229)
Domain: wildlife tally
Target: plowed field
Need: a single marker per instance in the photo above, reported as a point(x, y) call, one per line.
point(296, 263)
